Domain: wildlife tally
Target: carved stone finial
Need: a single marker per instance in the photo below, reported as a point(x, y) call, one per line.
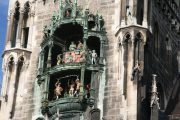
point(154, 93)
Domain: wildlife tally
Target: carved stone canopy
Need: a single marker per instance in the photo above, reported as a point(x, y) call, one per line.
point(69, 12)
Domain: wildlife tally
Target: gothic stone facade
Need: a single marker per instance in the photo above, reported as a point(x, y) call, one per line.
point(51, 71)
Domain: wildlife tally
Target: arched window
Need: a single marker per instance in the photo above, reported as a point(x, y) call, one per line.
point(9, 77)
point(25, 25)
point(15, 24)
point(16, 85)
point(126, 40)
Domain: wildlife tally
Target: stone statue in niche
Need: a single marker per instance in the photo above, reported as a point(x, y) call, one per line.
point(58, 90)
point(78, 84)
point(129, 15)
point(136, 70)
point(94, 57)
point(72, 47)
point(59, 59)
point(46, 31)
point(67, 13)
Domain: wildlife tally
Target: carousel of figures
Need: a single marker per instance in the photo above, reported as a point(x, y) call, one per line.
point(58, 90)
point(71, 89)
point(75, 54)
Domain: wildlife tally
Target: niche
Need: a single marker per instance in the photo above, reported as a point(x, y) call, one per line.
point(93, 43)
point(69, 82)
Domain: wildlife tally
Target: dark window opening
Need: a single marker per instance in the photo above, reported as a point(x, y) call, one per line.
point(93, 43)
point(68, 33)
point(25, 27)
point(26, 34)
point(15, 25)
point(91, 21)
point(87, 83)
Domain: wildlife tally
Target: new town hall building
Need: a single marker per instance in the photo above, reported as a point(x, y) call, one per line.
point(91, 60)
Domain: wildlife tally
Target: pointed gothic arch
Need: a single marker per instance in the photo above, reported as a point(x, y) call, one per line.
point(25, 25)
point(15, 24)
point(126, 44)
point(18, 73)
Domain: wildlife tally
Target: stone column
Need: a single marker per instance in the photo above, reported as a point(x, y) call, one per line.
point(154, 104)
point(178, 61)
point(131, 84)
point(13, 89)
point(20, 24)
point(41, 63)
point(123, 12)
point(49, 55)
point(145, 13)
point(31, 29)
point(86, 19)
point(82, 77)
point(85, 42)
point(101, 52)
point(134, 11)
point(46, 87)
point(150, 14)
point(9, 29)
point(5, 81)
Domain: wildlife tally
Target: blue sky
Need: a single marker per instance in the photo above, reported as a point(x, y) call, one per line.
point(3, 25)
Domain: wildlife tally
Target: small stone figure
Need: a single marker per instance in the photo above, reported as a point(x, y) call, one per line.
point(80, 45)
point(154, 100)
point(136, 69)
point(78, 84)
point(58, 90)
point(59, 59)
point(72, 47)
point(71, 90)
point(129, 15)
point(94, 57)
